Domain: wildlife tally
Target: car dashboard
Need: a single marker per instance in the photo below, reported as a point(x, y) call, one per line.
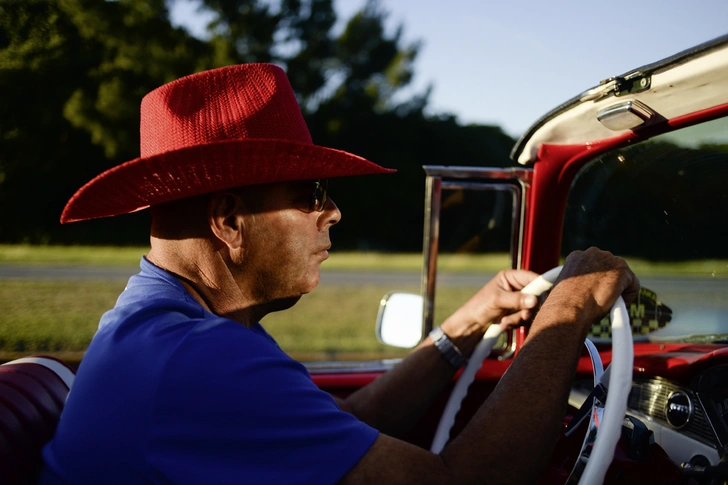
point(685, 408)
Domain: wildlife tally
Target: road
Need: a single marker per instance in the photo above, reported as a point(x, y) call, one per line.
point(389, 278)
point(698, 286)
point(698, 303)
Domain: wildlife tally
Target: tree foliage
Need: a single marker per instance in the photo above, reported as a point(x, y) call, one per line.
point(73, 72)
point(654, 200)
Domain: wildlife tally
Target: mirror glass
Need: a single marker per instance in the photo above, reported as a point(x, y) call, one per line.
point(399, 322)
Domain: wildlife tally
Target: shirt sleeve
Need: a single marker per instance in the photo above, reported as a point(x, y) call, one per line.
point(231, 407)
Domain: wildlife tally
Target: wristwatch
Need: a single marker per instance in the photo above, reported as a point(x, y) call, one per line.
point(451, 353)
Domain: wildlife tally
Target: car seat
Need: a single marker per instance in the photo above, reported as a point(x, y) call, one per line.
point(33, 391)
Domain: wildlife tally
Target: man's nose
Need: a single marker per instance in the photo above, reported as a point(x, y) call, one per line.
point(330, 215)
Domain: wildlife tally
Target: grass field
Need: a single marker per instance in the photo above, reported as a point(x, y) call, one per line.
point(60, 317)
point(125, 256)
point(129, 256)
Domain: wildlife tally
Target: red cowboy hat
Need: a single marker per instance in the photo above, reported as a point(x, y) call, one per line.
point(214, 130)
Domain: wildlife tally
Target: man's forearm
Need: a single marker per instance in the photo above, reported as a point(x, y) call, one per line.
point(522, 417)
point(525, 412)
point(395, 401)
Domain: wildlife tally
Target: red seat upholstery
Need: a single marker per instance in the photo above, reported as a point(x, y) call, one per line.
point(33, 391)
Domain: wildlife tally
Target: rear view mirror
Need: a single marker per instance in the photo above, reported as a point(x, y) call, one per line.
point(399, 321)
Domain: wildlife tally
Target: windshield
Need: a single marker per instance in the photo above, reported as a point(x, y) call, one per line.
point(662, 205)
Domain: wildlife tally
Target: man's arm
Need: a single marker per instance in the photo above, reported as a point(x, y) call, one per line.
point(524, 414)
point(395, 401)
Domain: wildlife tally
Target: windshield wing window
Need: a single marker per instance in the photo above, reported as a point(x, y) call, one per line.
point(662, 205)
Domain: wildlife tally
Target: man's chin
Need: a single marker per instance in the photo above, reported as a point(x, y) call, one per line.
point(312, 281)
point(284, 303)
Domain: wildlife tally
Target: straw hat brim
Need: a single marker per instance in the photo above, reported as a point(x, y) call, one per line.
point(201, 169)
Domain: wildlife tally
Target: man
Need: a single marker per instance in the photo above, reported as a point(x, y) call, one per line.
point(181, 384)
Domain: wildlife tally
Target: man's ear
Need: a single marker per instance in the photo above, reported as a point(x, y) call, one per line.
point(226, 218)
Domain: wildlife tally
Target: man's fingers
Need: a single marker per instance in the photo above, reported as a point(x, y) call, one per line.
point(509, 301)
point(517, 279)
point(515, 319)
point(514, 307)
point(598, 276)
point(528, 301)
point(632, 290)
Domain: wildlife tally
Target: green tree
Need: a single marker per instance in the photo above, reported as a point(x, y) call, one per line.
point(360, 69)
point(74, 71)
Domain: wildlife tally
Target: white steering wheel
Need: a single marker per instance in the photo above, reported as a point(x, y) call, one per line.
point(598, 449)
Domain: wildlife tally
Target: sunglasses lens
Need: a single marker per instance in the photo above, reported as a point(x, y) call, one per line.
point(319, 197)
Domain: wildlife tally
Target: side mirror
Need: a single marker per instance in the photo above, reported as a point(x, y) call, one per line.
point(399, 321)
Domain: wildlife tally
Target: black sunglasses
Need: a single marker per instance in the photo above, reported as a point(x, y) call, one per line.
point(319, 197)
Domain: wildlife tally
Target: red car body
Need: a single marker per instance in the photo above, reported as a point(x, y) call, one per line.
point(688, 90)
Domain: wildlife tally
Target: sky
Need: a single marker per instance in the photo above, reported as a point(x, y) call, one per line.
point(507, 63)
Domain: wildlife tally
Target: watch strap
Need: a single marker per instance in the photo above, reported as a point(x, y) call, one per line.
point(448, 349)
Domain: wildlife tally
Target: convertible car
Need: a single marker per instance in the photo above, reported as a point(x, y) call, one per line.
point(634, 165)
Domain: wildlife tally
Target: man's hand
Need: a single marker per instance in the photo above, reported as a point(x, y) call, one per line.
point(591, 282)
point(499, 301)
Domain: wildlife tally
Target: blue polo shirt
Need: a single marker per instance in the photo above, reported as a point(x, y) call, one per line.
point(170, 393)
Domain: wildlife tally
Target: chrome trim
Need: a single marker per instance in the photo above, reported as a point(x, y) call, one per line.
point(611, 87)
point(640, 114)
point(380, 314)
point(525, 187)
point(431, 242)
point(514, 180)
point(706, 415)
point(461, 172)
point(332, 367)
